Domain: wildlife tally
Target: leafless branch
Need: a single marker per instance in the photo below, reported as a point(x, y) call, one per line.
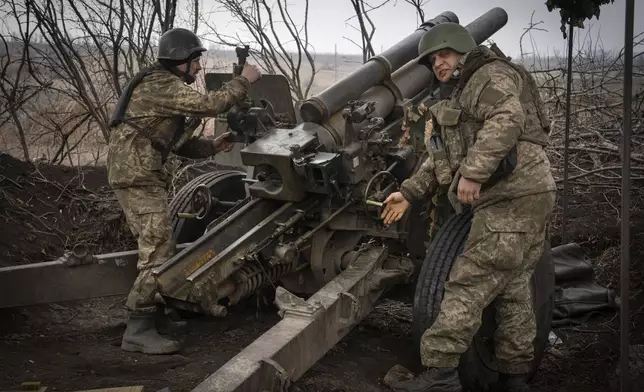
point(268, 47)
point(361, 13)
point(418, 6)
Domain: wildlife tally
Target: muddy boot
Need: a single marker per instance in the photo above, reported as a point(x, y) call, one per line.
point(165, 325)
point(142, 336)
point(431, 380)
point(513, 383)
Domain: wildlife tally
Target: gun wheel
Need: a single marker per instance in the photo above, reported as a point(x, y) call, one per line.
point(225, 185)
point(477, 368)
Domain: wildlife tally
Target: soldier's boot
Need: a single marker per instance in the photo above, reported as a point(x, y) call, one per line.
point(513, 383)
point(165, 325)
point(141, 336)
point(431, 380)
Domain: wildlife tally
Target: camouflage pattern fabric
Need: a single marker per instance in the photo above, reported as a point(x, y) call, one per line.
point(423, 182)
point(479, 124)
point(156, 107)
point(495, 110)
point(504, 245)
point(146, 211)
point(417, 126)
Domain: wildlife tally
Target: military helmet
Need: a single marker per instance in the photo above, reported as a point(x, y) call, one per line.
point(179, 44)
point(445, 36)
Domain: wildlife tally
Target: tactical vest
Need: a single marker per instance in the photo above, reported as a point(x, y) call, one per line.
point(118, 117)
point(455, 130)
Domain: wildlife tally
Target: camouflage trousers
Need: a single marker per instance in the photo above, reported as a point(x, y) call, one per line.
point(146, 211)
point(503, 247)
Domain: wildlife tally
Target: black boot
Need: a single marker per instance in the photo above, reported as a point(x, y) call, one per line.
point(142, 336)
point(431, 380)
point(165, 325)
point(513, 383)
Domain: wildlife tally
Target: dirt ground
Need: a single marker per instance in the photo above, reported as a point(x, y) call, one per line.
point(75, 346)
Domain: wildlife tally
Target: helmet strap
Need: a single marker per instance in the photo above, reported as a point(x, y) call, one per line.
point(173, 66)
point(189, 79)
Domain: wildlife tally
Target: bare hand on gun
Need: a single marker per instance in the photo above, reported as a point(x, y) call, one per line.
point(395, 207)
point(251, 72)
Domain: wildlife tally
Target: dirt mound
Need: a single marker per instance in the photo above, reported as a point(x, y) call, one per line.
point(46, 210)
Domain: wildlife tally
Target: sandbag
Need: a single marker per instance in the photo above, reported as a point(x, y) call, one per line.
point(577, 297)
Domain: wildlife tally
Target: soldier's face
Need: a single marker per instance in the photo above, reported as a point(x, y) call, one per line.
point(443, 63)
point(195, 67)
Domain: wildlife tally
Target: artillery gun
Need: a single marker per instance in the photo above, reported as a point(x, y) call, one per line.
point(303, 216)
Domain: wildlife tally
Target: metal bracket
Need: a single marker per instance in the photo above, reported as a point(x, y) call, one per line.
point(78, 256)
point(294, 306)
point(352, 318)
point(282, 380)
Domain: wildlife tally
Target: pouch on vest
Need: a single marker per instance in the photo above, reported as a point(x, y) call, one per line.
point(441, 164)
point(451, 142)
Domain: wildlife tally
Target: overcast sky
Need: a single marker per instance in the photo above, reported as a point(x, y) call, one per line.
point(397, 19)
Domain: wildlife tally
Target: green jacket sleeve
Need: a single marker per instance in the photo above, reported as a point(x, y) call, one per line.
point(420, 183)
point(196, 148)
point(492, 96)
point(172, 97)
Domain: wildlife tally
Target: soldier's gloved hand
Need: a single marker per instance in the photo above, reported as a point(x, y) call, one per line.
point(251, 72)
point(222, 143)
point(468, 191)
point(395, 207)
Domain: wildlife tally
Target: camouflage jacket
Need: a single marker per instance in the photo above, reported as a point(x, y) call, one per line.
point(497, 108)
point(157, 108)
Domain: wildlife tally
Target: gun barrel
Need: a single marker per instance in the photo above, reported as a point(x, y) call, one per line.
point(487, 24)
point(320, 107)
point(413, 78)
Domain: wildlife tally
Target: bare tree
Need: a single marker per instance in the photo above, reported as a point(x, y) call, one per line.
point(532, 26)
point(90, 40)
point(418, 6)
point(17, 85)
point(88, 50)
point(365, 27)
point(596, 117)
point(261, 20)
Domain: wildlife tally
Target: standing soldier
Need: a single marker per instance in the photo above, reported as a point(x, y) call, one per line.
point(494, 131)
point(150, 122)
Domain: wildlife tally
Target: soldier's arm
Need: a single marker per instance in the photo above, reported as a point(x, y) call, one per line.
point(174, 98)
point(492, 96)
point(420, 183)
point(193, 147)
point(196, 148)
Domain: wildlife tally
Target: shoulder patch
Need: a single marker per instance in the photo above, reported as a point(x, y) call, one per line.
point(491, 95)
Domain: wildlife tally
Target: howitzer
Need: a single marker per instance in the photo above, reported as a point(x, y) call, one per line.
point(305, 217)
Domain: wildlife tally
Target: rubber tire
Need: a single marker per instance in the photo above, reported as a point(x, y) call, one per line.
point(185, 230)
point(477, 368)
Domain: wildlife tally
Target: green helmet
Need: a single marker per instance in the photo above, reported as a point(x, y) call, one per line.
point(179, 44)
point(445, 35)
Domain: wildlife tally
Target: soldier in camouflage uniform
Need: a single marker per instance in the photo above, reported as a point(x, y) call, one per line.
point(150, 122)
point(494, 132)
